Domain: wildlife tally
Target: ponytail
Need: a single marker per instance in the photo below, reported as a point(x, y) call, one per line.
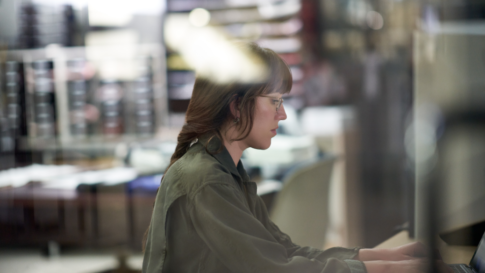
point(185, 137)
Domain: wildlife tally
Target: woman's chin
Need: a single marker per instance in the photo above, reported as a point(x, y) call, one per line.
point(260, 145)
point(264, 146)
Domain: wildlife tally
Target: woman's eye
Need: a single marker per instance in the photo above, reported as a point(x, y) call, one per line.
point(275, 102)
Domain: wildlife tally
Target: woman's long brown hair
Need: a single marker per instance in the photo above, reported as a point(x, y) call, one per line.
point(209, 108)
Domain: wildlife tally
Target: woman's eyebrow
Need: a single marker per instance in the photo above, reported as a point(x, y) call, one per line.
point(274, 97)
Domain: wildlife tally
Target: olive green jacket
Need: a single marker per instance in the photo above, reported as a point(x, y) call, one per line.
point(207, 217)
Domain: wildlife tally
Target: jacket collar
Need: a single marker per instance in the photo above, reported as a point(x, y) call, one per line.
point(223, 155)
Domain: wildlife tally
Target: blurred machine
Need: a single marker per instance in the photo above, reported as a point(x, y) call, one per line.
point(449, 130)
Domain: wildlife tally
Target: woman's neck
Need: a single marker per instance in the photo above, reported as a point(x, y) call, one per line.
point(235, 148)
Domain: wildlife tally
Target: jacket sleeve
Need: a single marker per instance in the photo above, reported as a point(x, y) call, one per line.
point(222, 219)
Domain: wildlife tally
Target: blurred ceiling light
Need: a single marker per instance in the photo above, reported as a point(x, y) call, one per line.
point(117, 12)
point(113, 53)
point(101, 13)
point(199, 17)
point(374, 20)
point(279, 9)
point(210, 53)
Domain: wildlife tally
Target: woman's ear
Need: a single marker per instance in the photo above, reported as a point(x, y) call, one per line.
point(235, 109)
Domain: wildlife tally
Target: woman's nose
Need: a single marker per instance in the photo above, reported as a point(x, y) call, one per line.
point(281, 113)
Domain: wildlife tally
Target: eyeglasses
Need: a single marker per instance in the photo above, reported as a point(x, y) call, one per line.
point(276, 102)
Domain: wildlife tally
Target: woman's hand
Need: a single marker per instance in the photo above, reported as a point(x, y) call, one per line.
point(409, 258)
point(401, 253)
point(415, 265)
point(407, 251)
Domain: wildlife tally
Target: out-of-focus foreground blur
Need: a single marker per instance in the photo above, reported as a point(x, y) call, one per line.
point(388, 97)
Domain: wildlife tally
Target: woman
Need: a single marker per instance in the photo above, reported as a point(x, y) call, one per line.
point(207, 216)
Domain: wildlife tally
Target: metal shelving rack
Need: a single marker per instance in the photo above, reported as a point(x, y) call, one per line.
point(64, 140)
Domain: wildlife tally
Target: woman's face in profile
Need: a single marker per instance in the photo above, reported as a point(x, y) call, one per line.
point(266, 118)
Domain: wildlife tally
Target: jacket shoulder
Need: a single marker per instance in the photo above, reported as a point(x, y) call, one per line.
point(195, 170)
